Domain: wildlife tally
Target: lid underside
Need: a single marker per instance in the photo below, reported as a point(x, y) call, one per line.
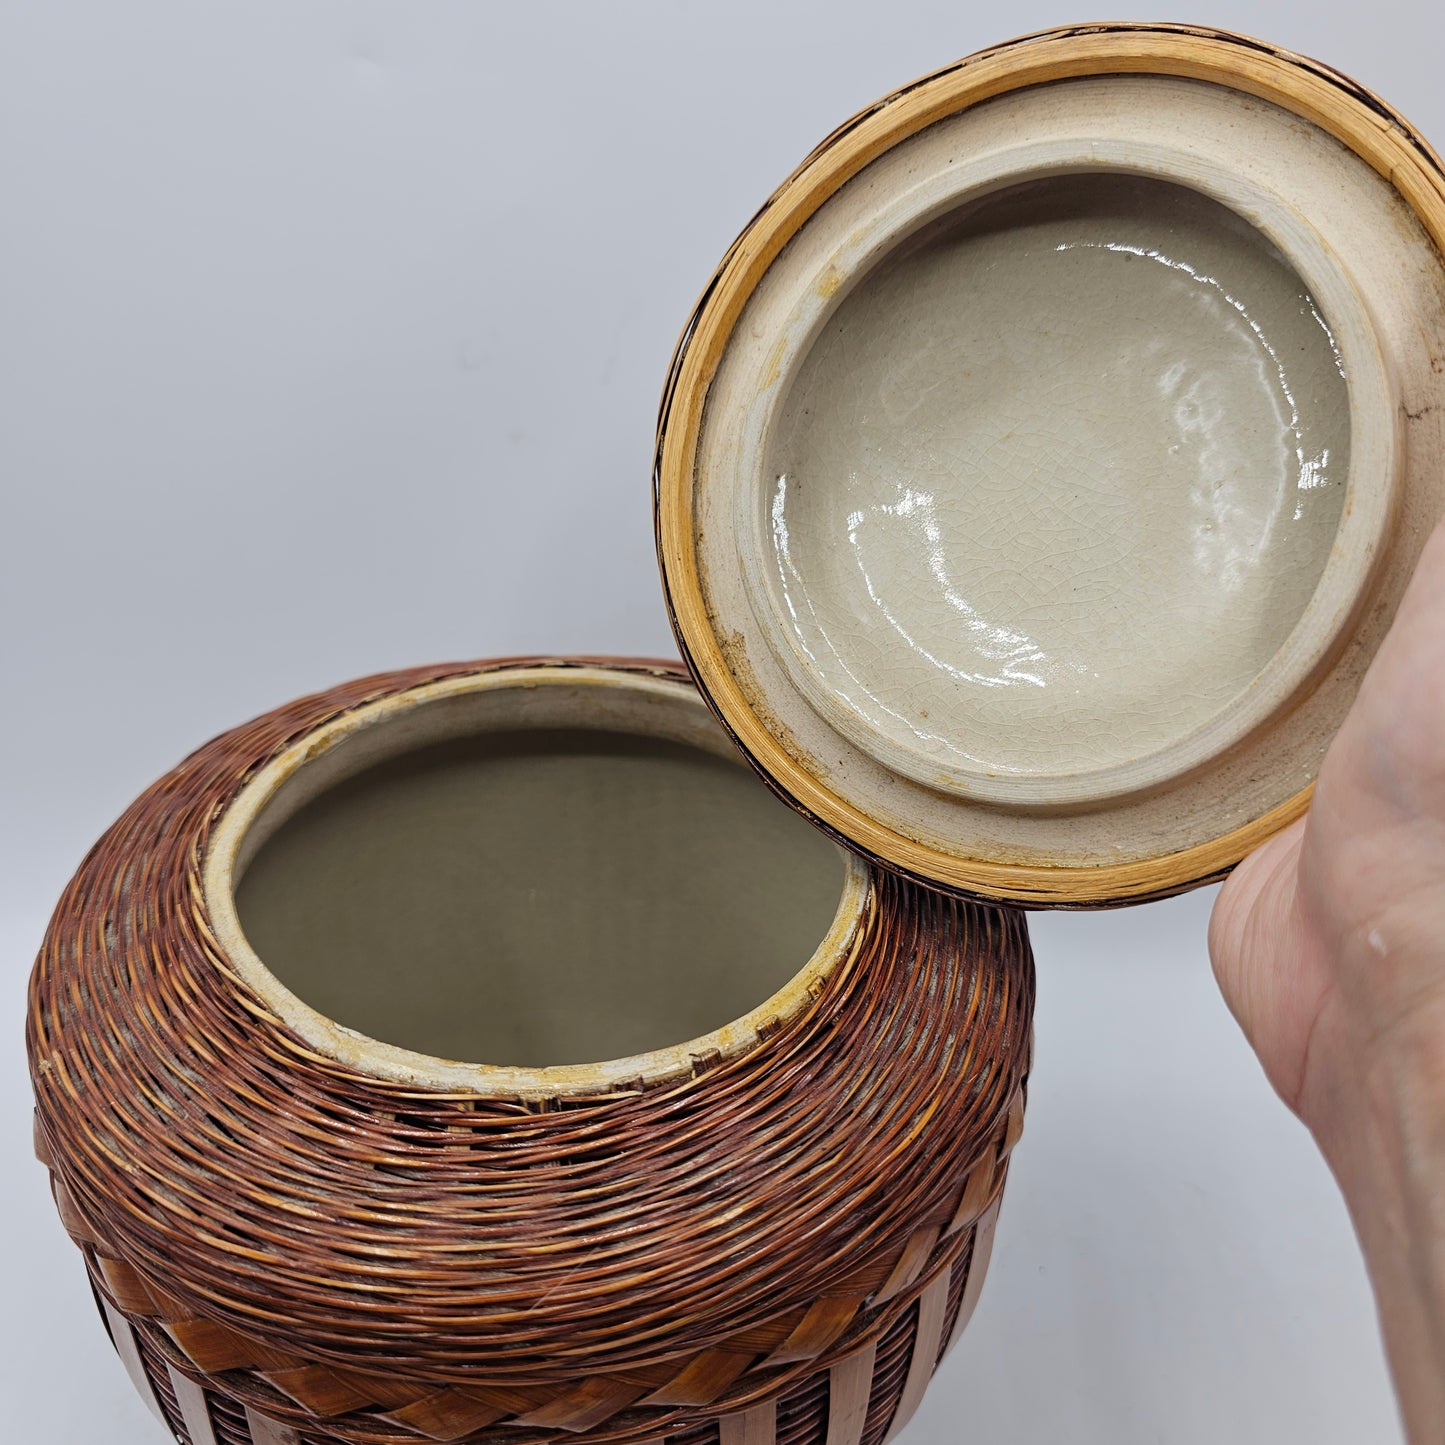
point(1044, 465)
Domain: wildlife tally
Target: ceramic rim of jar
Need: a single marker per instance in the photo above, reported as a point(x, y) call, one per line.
point(584, 698)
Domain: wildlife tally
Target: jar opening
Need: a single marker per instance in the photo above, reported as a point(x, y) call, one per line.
point(526, 875)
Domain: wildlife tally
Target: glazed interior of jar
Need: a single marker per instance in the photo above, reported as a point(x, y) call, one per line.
point(1053, 486)
point(531, 875)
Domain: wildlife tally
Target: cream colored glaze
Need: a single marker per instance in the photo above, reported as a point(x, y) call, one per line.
point(534, 869)
point(1059, 477)
point(1377, 253)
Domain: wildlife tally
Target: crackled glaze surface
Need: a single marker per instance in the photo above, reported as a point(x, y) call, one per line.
point(1059, 476)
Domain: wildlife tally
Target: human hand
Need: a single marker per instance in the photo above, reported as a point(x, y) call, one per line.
point(1329, 947)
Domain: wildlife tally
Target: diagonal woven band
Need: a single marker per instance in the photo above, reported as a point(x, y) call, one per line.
point(835, 1334)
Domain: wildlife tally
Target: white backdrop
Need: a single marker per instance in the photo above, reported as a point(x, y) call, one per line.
point(333, 335)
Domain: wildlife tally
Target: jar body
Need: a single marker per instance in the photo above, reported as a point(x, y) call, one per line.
point(298, 1232)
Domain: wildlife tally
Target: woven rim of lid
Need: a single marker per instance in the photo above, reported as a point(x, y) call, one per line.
point(1316, 93)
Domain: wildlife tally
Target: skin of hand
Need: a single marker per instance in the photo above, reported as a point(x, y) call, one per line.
point(1329, 947)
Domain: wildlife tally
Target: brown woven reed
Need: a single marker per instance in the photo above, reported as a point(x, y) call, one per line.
point(775, 1248)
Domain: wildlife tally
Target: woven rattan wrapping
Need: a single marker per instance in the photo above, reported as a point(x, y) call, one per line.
point(358, 1259)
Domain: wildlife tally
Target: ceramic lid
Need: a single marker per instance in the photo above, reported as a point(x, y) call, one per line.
point(1045, 462)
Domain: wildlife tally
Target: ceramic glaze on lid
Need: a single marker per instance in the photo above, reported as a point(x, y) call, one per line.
point(1045, 463)
point(1054, 486)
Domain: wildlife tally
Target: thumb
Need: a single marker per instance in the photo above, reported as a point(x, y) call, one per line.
point(1266, 974)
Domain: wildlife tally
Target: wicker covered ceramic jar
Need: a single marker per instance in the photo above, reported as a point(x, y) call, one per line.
point(764, 1216)
point(1035, 481)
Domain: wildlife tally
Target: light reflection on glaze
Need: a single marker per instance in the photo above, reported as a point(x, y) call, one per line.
point(997, 644)
point(1030, 568)
point(1312, 469)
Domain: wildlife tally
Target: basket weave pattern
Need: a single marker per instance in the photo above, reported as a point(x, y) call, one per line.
point(776, 1246)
